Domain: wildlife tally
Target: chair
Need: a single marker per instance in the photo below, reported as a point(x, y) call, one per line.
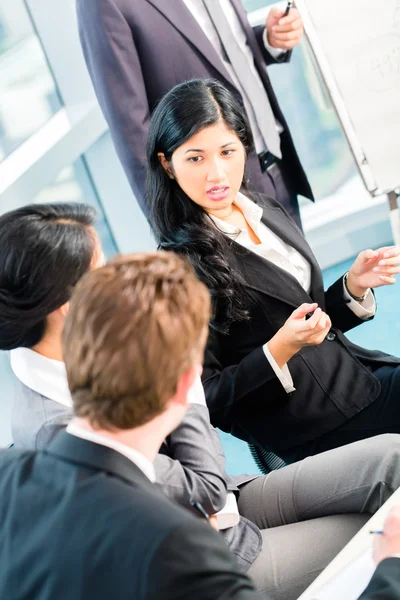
point(266, 461)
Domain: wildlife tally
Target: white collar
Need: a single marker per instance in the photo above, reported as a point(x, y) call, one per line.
point(42, 375)
point(136, 457)
point(251, 211)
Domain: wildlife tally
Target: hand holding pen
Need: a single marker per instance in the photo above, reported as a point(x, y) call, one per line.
point(284, 28)
point(387, 541)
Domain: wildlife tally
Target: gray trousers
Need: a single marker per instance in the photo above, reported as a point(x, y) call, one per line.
point(309, 510)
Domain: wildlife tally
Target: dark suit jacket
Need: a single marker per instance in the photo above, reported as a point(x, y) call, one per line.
point(333, 381)
point(81, 521)
point(136, 51)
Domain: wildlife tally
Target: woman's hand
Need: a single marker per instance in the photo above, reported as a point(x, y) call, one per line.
point(299, 331)
point(373, 268)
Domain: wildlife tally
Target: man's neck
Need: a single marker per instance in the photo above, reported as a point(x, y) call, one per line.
point(146, 439)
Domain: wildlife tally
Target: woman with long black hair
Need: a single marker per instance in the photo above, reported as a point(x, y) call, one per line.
point(278, 372)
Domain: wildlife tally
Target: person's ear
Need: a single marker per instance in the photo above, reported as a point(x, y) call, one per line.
point(166, 164)
point(64, 309)
point(55, 320)
point(185, 383)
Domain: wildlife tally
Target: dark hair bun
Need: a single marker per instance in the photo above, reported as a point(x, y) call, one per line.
point(44, 250)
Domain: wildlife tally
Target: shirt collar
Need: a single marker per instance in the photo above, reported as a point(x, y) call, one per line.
point(136, 457)
point(42, 375)
point(251, 211)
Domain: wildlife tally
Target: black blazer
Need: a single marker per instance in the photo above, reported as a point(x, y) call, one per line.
point(333, 381)
point(81, 521)
point(136, 51)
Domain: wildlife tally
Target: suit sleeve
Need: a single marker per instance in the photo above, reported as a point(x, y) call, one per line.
point(268, 58)
point(385, 584)
point(194, 562)
point(227, 388)
point(191, 463)
point(338, 309)
point(114, 66)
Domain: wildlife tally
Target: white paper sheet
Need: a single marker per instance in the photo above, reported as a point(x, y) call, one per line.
point(351, 582)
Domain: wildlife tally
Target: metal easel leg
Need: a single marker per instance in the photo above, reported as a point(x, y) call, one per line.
point(394, 216)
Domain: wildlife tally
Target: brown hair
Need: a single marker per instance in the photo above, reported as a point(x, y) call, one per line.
point(134, 327)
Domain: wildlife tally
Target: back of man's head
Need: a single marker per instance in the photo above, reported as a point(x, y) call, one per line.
point(134, 328)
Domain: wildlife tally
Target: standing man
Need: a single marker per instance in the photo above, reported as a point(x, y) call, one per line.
point(137, 50)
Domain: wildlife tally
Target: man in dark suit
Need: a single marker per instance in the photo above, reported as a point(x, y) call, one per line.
point(137, 51)
point(82, 519)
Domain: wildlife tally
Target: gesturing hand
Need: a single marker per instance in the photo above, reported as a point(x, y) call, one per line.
point(299, 331)
point(284, 32)
point(373, 268)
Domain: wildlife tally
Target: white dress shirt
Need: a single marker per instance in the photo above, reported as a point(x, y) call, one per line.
point(141, 461)
point(199, 12)
point(284, 256)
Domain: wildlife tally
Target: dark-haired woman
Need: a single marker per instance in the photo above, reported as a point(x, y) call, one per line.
point(44, 250)
point(278, 370)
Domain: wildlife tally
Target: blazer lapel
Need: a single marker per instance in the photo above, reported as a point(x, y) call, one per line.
point(266, 277)
point(274, 218)
point(95, 456)
point(181, 18)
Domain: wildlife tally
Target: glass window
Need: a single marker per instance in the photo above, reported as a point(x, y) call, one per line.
point(28, 95)
point(73, 184)
point(311, 118)
point(250, 5)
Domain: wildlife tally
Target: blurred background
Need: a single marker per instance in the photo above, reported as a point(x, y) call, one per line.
point(55, 146)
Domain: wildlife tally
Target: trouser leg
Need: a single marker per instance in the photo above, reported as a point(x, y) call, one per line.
point(294, 555)
point(357, 478)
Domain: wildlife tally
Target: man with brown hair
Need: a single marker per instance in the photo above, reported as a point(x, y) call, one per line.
point(135, 334)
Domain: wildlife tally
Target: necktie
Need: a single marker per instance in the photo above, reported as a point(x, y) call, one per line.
point(256, 96)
